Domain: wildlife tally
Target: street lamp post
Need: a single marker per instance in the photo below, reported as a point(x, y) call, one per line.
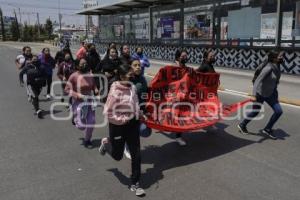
point(59, 16)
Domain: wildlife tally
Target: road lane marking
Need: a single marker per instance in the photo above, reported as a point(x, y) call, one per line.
point(240, 94)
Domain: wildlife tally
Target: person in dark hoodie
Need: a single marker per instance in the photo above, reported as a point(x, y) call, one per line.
point(93, 61)
point(60, 55)
point(21, 61)
point(265, 90)
point(181, 59)
point(110, 45)
point(64, 71)
point(125, 55)
point(110, 66)
point(48, 63)
point(207, 63)
point(36, 80)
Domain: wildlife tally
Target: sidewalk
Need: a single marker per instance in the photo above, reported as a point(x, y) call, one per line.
point(239, 81)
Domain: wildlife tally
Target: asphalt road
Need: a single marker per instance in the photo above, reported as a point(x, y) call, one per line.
point(44, 159)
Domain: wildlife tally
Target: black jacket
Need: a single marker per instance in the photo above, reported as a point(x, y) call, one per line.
point(93, 60)
point(206, 68)
point(125, 59)
point(141, 85)
point(109, 65)
point(36, 74)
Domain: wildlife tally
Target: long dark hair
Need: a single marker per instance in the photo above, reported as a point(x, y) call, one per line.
point(123, 70)
point(205, 55)
point(178, 53)
point(26, 47)
point(273, 55)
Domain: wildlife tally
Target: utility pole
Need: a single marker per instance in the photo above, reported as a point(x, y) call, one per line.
point(28, 16)
point(59, 16)
point(38, 22)
point(17, 23)
point(20, 16)
point(2, 26)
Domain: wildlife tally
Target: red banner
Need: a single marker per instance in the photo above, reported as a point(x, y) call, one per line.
point(183, 100)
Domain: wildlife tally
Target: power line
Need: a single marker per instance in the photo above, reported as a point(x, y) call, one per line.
point(17, 5)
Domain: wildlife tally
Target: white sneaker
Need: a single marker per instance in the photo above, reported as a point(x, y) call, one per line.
point(29, 98)
point(39, 113)
point(48, 97)
point(127, 153)
point(102, 148)
point(140, 192)
point(181, 142)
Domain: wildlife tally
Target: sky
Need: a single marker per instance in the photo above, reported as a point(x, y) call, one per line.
point(46, 9)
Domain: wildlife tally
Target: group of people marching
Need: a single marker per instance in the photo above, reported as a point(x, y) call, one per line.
point(126, 85)
point(80, 83)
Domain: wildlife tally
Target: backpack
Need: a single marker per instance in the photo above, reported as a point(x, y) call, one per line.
point(35, 76)
point(258, 71)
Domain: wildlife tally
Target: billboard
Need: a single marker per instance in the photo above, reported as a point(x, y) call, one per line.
point(142, 28)
point(198, 26)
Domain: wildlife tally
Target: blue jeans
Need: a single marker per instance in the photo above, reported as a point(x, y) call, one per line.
point(273, 103)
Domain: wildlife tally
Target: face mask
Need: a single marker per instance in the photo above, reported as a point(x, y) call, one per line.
point(131, 79)
point(280, 61)
point(213, 60)
point(184, 61)
point(83, 69)
point(140, 53)
point(35, 63)
point(28, 56)
point(68, 59)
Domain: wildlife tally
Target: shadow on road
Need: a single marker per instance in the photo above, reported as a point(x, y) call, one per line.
point(48, 112)
point(280, 134)
point(201, 147)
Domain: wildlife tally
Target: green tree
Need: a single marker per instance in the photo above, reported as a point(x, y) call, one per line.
point(49, 28)
point(30, 33)
point(35, 32)
point(25, 34)
point(2, 26)
point(14, 31)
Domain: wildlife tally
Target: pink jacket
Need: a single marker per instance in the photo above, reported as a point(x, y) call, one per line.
point(122, 104)
point(81, 53)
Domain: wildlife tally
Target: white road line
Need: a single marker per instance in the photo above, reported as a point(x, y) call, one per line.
point(242, 94)
point(237, 92)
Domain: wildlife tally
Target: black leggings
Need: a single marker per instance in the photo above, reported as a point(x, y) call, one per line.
point(49, 83)
point(35, 90)
point(129, 134)
point(63, 86)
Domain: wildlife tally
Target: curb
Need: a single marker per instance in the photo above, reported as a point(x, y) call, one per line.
point(221, 88)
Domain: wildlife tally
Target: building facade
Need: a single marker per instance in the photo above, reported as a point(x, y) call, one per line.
point(241, 32)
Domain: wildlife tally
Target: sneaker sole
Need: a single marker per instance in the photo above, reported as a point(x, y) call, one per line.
point(138, 192)
point(270, 136)
point(102, 150)
point(241, 130)
point(40, 115)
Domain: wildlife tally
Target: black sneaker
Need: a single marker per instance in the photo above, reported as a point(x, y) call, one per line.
point(269, 133)
point(243, 129)
point(73, 121)
point(39, 114)
point(140, 192)
point(102, 148)
point(88, 143)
